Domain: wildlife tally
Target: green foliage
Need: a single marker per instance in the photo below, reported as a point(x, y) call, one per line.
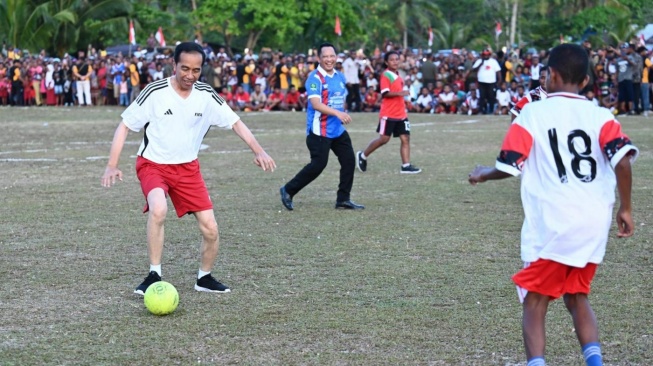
point(295, 25)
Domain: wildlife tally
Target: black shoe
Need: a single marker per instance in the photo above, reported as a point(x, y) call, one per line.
point(349, 205)
point(411, 169)
point(361, 163)
point(286, 199)
point(150, 279)
point(210, 284)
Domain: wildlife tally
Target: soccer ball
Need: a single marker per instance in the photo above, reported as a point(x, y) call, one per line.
point(161, 298)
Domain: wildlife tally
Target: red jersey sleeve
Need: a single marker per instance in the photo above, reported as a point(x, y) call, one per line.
point(615, 144)
point(515, 150)
point(385, 84)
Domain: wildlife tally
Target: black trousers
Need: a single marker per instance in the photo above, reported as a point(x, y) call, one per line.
point(319, 148)
point(353, 97)
point(487, 96)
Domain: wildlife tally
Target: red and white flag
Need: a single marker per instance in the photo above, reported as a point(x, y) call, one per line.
point(642, 41)
point(159, 37)
point(497, 29)
point(430, 36)
point(337, 27)
point(132, 33)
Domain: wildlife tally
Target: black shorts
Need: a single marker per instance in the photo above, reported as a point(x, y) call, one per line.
point(393, 127)
point(626, 92)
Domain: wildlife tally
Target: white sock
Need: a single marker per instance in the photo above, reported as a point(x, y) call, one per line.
point(201, 274)
point(156, 268)
point(363, 156)
point(405, 165)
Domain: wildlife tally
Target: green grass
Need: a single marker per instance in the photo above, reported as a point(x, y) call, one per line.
point(420, 277)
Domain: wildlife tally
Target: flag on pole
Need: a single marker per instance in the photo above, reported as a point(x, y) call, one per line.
point(642, 41)
point(132, 33)
point(430, 36)
point(337, 27)
point(159, 37)
point(497, 29)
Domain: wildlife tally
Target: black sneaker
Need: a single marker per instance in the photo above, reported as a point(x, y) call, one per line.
point(210, 284)
point(361, 163)
point(150, 279)
point(410, 169)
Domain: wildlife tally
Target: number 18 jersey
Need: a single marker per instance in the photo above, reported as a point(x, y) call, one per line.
point(565, 148)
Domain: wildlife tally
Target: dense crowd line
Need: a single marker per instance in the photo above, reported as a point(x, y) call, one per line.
point(446, 81)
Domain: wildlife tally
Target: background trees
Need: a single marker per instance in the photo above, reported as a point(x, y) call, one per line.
point(295, 25)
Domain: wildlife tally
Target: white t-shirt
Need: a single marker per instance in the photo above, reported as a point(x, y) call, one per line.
point(174, 127)
point(488, 72)
point(424, 100)
point(503, 98)
point(350, 70)
point(565, 148)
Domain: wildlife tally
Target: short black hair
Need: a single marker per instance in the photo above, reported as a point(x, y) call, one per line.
point(188, 47)
point(387, 55)
point(570, 61)
point(325, 45)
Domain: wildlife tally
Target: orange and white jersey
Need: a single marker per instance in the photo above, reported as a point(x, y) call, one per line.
point(565, 148)
point(532, 96)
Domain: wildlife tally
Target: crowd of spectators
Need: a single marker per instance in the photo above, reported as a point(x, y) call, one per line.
point(445, 81)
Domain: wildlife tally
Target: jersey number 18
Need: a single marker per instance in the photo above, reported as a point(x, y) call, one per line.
point(578, 156)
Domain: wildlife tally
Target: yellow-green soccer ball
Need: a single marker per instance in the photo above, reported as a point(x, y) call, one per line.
point(161, 298)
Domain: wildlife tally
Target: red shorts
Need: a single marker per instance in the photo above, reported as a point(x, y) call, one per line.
point(182, 182)
point(554, 279)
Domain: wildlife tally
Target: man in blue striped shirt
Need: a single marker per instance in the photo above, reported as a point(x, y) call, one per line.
point(325, 120)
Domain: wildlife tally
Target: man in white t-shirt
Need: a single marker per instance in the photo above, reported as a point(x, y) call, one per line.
point(351, 69)
point(176, 113)
point(569, 153)
point(488, 74)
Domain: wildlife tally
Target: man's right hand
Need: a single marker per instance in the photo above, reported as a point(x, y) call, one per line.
point(110, 175)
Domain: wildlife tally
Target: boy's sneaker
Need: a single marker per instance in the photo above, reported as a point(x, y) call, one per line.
point(210, 284)
point(410, 169)
point(361, 163)
point(150, 279)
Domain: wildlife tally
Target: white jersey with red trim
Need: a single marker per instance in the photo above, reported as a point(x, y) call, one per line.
point(565, 148)
point(174, 126)
point(532, 96)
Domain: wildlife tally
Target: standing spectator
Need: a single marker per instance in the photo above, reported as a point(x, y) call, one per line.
point(393, 119)
point(489, 73)
point(627, 65)
point(536, 66)
point(35, 73)
point(135, 81)
point(82, 71)
point(124, 89)
point(50, 97)
point(567, 192)
point(351, 70)
point(637, 80)
point(646, 74)
point(325, 131)
point(169, 166)
point(428, 70)
point(16, 83)
point(58, 88)
point(117, 69)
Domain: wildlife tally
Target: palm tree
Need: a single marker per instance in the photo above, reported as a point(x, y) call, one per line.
point(89, 17)
point(412, 15)
point(29, 26)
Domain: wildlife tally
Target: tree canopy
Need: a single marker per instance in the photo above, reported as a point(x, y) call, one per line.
point(61, 26)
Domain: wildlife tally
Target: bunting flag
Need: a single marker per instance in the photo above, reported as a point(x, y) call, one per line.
point(430, 37)
point(497, 29)
point(132, 33)
point(337, 28)
point(159, 37)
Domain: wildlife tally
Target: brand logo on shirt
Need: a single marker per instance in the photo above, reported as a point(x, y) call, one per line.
point(313, 86)
point(168, 113)
point(198, 114)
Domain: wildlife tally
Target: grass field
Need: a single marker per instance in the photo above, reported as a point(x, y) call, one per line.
point(420, 277)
